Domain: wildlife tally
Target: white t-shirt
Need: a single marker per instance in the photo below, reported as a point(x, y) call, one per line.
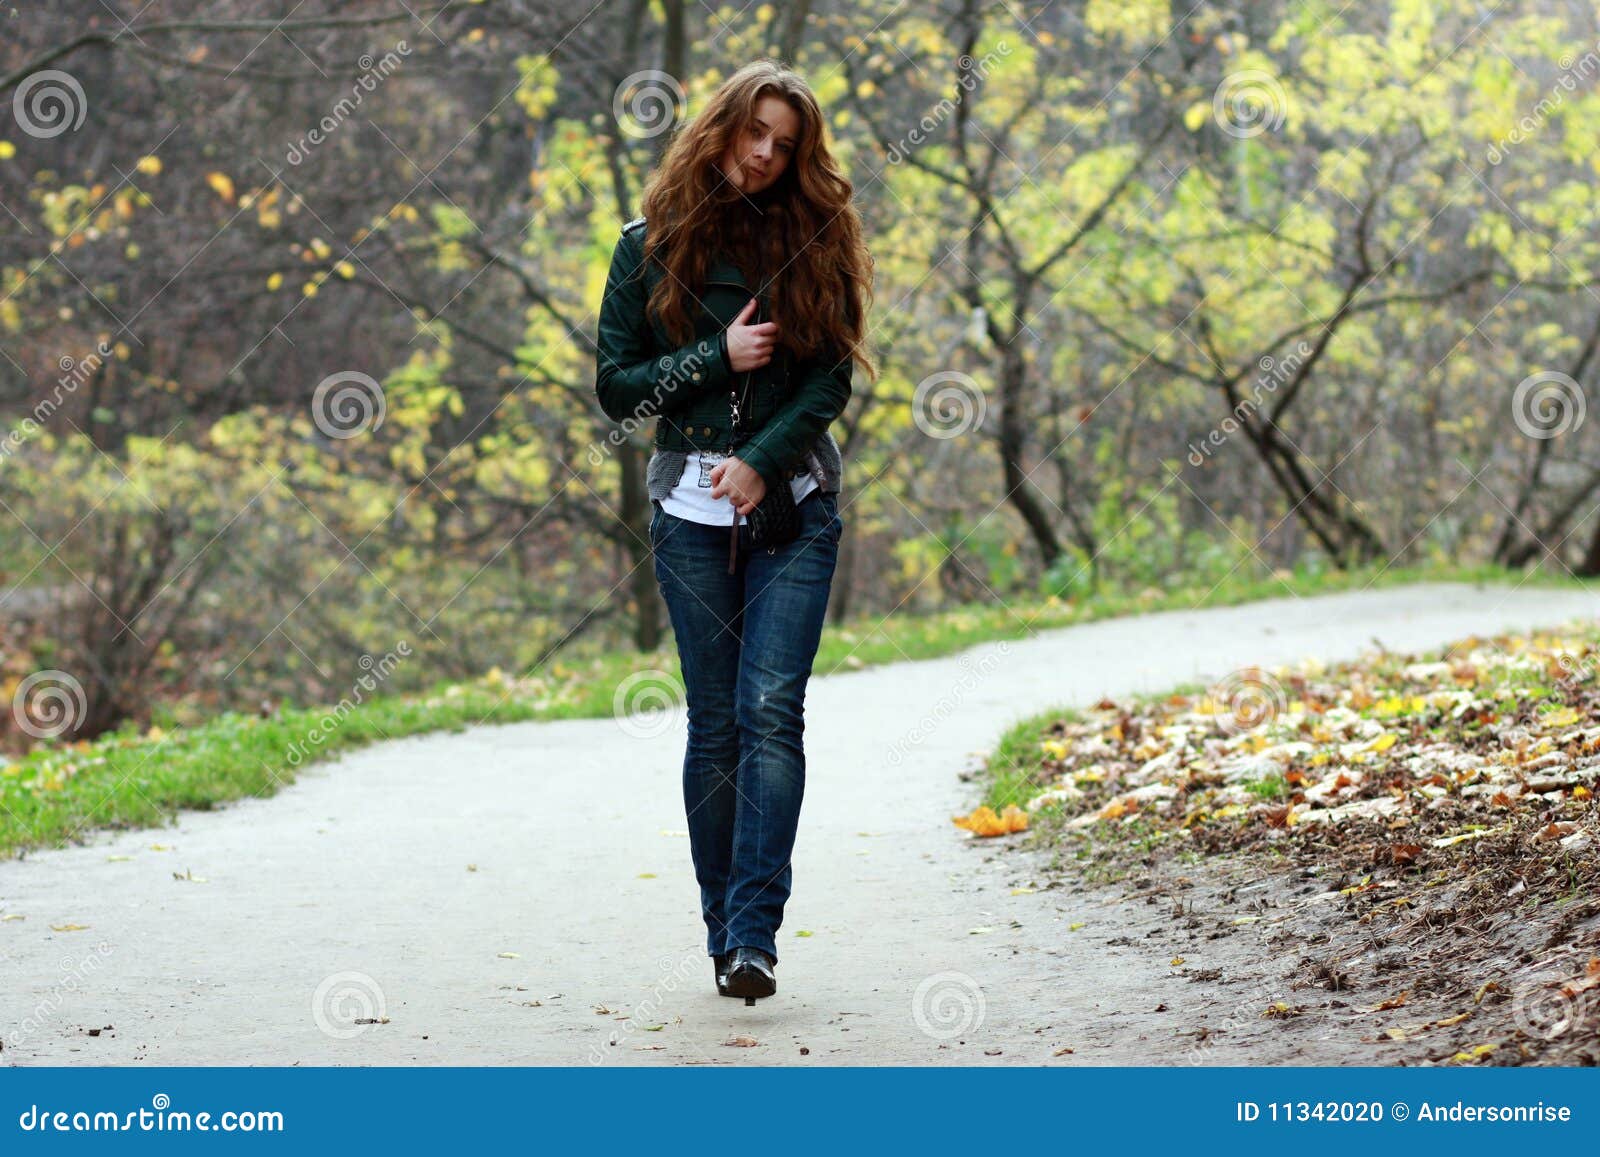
point(691, 497)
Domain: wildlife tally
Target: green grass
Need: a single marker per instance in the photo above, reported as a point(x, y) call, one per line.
point(130, 779)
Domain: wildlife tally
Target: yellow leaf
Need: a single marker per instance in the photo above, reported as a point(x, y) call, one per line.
point(222, 185)
point(276, 280)
point(1384, 742)
point(508, 955)
point(9, 150)
point(149, 166)
point(68, 927)
point(983, 821)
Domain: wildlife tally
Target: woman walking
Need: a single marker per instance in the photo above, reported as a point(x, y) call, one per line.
point(734, 309)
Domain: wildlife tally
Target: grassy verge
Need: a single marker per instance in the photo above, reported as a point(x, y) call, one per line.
point(138, 778)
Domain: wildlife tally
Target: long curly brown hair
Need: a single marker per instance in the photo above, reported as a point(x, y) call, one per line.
point(801, 238)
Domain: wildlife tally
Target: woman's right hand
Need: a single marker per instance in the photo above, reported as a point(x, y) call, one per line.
point(750, 346)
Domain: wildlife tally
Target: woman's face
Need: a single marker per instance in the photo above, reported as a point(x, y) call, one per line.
point(760, 151)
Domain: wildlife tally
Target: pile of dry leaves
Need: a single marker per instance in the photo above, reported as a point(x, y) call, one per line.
point(1447, 800)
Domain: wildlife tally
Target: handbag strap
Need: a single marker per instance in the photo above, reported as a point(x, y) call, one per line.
point(733, 430)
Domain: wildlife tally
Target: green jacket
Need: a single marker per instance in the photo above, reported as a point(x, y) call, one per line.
point(787, 404)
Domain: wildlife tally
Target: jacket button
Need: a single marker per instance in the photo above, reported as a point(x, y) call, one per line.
point(695, 375)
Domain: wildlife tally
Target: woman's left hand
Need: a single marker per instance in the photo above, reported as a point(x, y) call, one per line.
point(739, 481)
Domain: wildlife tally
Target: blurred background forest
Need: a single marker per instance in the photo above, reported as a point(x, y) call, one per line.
point(297, 307)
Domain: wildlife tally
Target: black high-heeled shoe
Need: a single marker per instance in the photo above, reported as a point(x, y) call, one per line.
point(750, 974)
point(722, 961)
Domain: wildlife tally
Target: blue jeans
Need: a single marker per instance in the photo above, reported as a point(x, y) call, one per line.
point(746, 642)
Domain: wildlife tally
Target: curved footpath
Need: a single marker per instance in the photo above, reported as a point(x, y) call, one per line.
point(396, 882)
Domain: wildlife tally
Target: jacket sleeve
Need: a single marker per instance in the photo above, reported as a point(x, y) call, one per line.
point(631, 381)
point(821, 396)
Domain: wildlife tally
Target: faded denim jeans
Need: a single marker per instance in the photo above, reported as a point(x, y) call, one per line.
point(746, 642)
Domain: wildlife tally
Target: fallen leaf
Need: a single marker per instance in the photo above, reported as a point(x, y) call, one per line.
point(68, 927)
point(743, 1042)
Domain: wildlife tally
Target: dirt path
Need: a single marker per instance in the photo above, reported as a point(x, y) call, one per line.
point(392, 884)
